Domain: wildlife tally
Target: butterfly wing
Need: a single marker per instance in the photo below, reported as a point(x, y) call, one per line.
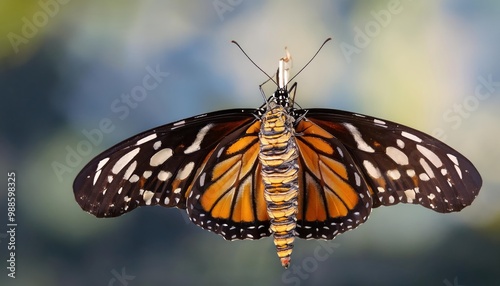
point(157, 166)
point(333, 195)
point(228, 197)
point(401, 164)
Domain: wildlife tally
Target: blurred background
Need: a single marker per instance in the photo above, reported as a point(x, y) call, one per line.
point(68, 69)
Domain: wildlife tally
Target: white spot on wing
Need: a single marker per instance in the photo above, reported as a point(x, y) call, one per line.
point(411, 136)
point(147, 174)
point(96, 176)
point(130, 170)
point(373, 171)
point(157, 145)
point(147, 196)
point(182, 122)
point(431, 156)
point(458, 171)
point(394, 174)
point(197, 141)
point(426, 167)
point(220, 152)
point(340, 152)
point(410, 173)
point(357, 179)
point(134, 178)
point(424, 177)
point(410, 195)
point(164, 175)
point(160, 157)
point(401, 143)
point(102, 163)
point(202, 179)
point(453, 158)
point(124, 160)
point(146, 139)
point(449, 183)
point(397, 155)
point(362, 145)
point(184, 172)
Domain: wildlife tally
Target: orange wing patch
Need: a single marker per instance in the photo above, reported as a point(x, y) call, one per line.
point(314, 206)
point(242, 210)
point(235, 190)
point(325, 189)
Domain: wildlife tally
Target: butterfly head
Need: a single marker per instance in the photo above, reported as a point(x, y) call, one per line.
point(281, 96)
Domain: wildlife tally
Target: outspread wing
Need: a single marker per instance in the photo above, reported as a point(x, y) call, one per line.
point(333, 194)
point(401, 164)
point(156, 167)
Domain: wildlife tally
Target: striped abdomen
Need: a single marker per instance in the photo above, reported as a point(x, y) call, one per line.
point(278, 157)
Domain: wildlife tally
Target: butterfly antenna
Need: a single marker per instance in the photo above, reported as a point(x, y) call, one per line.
point(310, 59)
point(270, 78)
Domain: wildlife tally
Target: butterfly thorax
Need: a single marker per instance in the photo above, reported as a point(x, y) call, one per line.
point(278, 157)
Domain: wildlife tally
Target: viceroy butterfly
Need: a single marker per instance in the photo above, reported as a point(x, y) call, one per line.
point(278, 169)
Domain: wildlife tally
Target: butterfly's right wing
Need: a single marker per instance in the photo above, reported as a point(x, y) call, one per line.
point(333, 194)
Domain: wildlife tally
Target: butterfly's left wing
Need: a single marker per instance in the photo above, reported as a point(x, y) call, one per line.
point(207, 164)
point(401, 164)
point(158, 166)
point(228, 198)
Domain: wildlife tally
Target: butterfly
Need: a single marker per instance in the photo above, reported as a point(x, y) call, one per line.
point(277, 170)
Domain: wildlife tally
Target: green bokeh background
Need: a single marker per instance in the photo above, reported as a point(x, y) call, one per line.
point(65, 64)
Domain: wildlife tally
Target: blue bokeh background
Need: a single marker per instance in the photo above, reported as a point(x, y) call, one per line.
point(65, 67)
